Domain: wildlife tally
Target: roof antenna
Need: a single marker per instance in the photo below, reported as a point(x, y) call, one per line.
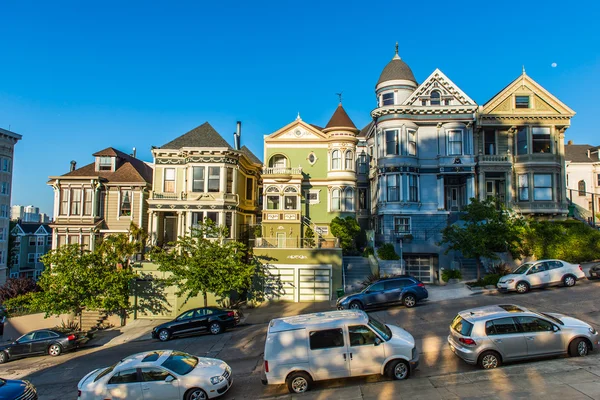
point(340, 96)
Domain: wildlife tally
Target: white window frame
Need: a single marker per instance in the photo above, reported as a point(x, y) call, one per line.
point(551, 187)
point(449, 142)
point(349, 161)
point(166, 179)
point(346, 200)
point(416, 186)
point(411, 150)
point(392, 98)
point(409, 225)
point(336, 160)
point(313, 192)
point(339, 199)
point(397, 145)
point(30, 258)
point(523, 187)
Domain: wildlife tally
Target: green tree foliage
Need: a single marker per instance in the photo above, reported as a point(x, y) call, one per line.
point(387, 252)
point(483, 231)
point(309, 237)
point(572, 241)
point(14, 287)
point(346, 229)
point(206, 262)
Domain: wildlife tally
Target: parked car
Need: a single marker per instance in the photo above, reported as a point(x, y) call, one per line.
point(337, 344)
point(594, 271)
point(205, 319)
point(158, 375)
point(492, 335)
point(541, 273)
point(43, 341)
point(15, 389)
point(388, 291)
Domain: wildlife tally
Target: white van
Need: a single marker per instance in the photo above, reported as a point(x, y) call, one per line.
point(312, 347)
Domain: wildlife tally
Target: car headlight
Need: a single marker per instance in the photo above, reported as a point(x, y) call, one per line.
point(510, 281)
point(593, 331)
point(215, 380)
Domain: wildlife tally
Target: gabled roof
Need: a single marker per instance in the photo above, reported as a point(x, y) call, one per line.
point(365, 131)
point(340, 119)
point(250, 155)
point(30, 228)
point(438, 80)
point(202, 136)
point(579, 153)
point(287, 132)
point(109, 152)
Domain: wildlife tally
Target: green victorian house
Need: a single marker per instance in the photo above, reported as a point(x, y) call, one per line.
point(309, 178)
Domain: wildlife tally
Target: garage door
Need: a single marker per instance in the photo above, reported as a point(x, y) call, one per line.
point(314, 284)
point(280, 284)
point(419, 267)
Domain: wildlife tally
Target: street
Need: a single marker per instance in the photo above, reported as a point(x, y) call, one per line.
point(56, 378)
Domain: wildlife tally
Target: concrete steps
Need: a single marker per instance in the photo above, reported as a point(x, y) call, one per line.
point(92, 319)
point(356, 270)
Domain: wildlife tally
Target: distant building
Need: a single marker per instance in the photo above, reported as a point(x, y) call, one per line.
point(30, 242)
point(8, 140)
point(17, 212)
point(28, 214)
point(582, 163)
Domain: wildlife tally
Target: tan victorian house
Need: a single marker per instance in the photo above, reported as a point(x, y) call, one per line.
point(520, 147)
point(100, 198)
point(199, 176)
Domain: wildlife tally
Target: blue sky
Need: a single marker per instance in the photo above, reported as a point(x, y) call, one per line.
point(77, 77)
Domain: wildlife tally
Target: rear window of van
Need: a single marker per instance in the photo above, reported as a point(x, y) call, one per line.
point(462, 326)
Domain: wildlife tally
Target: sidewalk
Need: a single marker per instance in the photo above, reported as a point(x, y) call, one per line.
point(449, 292)
point(565, 378)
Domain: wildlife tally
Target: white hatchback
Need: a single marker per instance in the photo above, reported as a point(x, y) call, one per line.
point(539, 274)
point(158, 375)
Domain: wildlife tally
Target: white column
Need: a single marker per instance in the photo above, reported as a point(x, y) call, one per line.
point(54, 239)
point(470, 187)
point(481, 179)
point(440, 192)
point(508, 187)
point(180, 223)
point(56, 204)
point(222, 179)
point(154, 230)
point(140, 208)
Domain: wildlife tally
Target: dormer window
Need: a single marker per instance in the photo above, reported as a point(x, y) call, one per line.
point(521, 101)
point(387, 99)
point(435, 98)
point(105, 163)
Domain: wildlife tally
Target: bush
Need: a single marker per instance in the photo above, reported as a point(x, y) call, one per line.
point(15, 287)
point(491, 279)
point(21, 305)
point(387, 252)
point(70, 326)
point(368, 251)
point(448, 274)
point(479, 283)
point(500, 269)
point(373, 278)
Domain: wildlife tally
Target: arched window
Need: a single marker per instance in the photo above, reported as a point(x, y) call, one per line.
point(273, 198)
point(335, 159)
point(349, 160)
point(349, 199)
point(581, 187)
point(278, 161)
point(435, 98)
point(335, 200)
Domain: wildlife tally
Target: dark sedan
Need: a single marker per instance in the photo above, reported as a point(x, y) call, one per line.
point(594, 272)
point(43, 341)
point(206, 319)
point(17, 390)
point(388, 291)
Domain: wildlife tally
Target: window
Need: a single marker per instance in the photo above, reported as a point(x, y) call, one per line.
point(540, 139)
point(349, 161)
point(335, 200)
point(523, 187)
point(412, 142)
point(349, 199)
point(181, 363)
point(447, 102)
point(362, 199)
point(423, 102)
point(402, 225)
point(49, 240)
point(290, 202)
point(212, 216)
point(542, 187)
point(489, 142)
point(312, 196)
point(2, 235)
point(4, 188)
point(87, 201)
point(278, 161)
point(391, 143)
point(503, 326)
point(43, 335)
point(363, 165)
point(125, 203)
point(521, 141)
point(214, 177)
point(249, 188)
point(539, 267)
point(203, 311)
point(273, 202)
point(5, 165)
point(377, 287)
point(326, 339)
point(454, 143)
point(361, 335)
point(26, 338)
point(521, 101)
point(150, 374)
point(228, 224)
point(413, 188)
point(393, 188)
point(3, 211)
point(125, 376)
point(312, 158)
point(40, 240)
point(30, 258)
point(461, 326)
point(75, 201)
point(229, 180)
point(435, 98)
point(598, 179)
point(64, 201)
point(533, 324)
point(32, 240)
point(581, 187)
point(104, 163)
point(380, 149)
point(335, 159)
point(186, 315)
point(169, 184)
point(554, 264)
point(198, 179)
point(387, 99)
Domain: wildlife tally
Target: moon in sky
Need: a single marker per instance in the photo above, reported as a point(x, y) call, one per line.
point(554, 65)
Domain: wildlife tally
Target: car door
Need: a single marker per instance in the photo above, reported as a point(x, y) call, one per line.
point(158, 384)
point(375, 294)
point(393, 290)
point(555, 271)
point(506, 335)
point(40, 341)
point(365, 351)
point(542, 337)
point(22, 345)
point(538, 275)
point(200, 320)
point(328, 355)
point(183, 323)
point(125, 384)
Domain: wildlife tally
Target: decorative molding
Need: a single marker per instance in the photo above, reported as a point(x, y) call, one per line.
point(297, 257)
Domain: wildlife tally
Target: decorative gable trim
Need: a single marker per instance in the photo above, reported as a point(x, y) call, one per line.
point(289, 132)
point(437, 80)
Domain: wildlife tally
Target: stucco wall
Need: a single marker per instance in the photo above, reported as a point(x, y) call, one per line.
point(17, 326)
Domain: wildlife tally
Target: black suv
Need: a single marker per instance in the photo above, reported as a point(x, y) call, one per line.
point(396, 290)
point(211, 319)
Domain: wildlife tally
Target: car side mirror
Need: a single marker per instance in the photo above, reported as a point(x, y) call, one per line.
point(377, 341)
point(555, 328)
point(169, 378)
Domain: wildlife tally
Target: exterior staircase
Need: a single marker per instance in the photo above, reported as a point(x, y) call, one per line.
point(356, 270)
point(91, 320)
point(468, 269)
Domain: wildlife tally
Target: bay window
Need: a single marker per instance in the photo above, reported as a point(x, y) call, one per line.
point(522, 140)
point(349, 161)
point(290, 198)
point(387, 99)
point(349, 199)
point(523, 187)
point(335, 200)
point(542, 187)
point(391, 143)
point(413, 188)
point(214, 179)
point(393, 188)
point(198, 179)
point(335, 159)
point(362, 164)
point(455, 142)
point(402, 224)
point(540, 139)
point(412, 142)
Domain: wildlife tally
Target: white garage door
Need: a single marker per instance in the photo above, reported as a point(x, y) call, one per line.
point(314, 284)
point(419, 267)
point(280, 284)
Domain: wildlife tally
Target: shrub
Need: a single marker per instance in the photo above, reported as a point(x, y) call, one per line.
point(448, 274)
point(21, 305)
point(368, 251)
point(479, 283)
point(373, 278)
point(500, 269)
point(491, 279)
point(15, 287)
point(70, 326)
point(387, 252)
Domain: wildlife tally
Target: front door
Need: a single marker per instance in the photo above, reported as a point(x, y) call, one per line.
point(538, 275)
point(170, 233)
point(490, 189)
point(507, 337)
point(158, 384)
point(365, 351)
point(540, 336)
point(281, 240)
point(328, 354)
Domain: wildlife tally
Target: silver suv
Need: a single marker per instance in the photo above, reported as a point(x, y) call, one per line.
point(491, 335)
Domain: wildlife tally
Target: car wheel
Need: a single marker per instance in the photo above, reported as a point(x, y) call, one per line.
point(522, 287)
point(356, 305)
point(164, 335)
point(215, 328)
point(298, 382)
point(489, 360)
point(3, 357)
point(398, 370)
point(196, 394)
point(569, 280)
point(409, 301)
point(579, 348)
point(54, 350)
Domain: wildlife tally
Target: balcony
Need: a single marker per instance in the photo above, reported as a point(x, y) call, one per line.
point(281, 174)
point(294, 243)
point(194, 196)
point(495, 159)
point(166, 196)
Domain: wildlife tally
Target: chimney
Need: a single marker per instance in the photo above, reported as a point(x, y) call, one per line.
point(589, 154)
point(134, 151)
point(73, 165)
point(570, 142)
point(238, 135)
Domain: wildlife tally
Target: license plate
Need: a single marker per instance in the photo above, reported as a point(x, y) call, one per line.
point(593, 274)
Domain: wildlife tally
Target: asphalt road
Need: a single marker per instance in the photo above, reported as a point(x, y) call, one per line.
point(56, 378)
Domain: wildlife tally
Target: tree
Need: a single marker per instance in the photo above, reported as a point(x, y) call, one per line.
point(346, 229)
point(16, 287)
point(205, 262)
point(309, 237)
point(483, 231)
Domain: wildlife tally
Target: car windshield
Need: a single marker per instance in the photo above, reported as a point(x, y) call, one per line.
point(550, 317)
point(522, 269)
point(380, 328)
point(181, 363)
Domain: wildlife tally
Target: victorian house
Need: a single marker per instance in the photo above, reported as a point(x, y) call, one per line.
point(30, 242)
point(583, 179)
point(100, 198)
point(199, 176)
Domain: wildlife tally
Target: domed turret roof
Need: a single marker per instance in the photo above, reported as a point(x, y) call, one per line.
point(396, 70)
